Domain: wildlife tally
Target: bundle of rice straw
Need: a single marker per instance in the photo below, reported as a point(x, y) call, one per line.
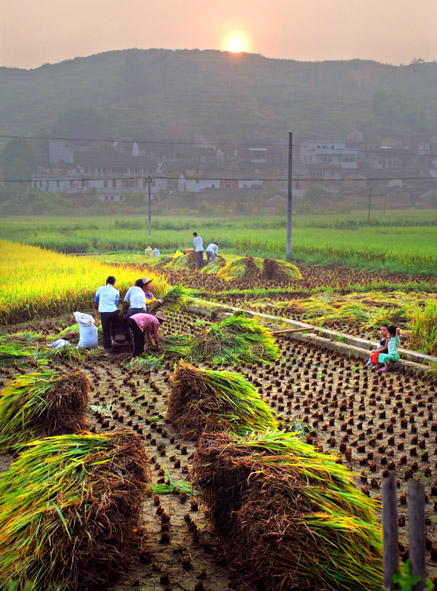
point(15, 351)
point(289, 517)
point(181, 261)
point(203, 400)
point(69, 506)
point(40, 404)
point(244, 268)
point(235, 340)
point(175, 346)
point(279, 270)
point(214, 268)
point(175, 298)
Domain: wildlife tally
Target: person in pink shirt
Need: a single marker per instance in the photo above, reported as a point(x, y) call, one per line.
point(145, 325)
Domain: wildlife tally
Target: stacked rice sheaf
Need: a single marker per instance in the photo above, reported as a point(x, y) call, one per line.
point(43, 403)
point(69, 508)
point(206, 400)
point(290, 518)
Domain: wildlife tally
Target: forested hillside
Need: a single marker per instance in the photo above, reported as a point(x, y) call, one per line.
point(216, 95)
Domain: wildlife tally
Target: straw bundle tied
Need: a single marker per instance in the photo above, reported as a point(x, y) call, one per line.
point(176, 297)
point(203, 400)
point(181, 261)
point(69, 506)
point(175, 346)
point(279, 270)
point(290, 517)
point(235, 340)
point(40, 404)
point(244, 268)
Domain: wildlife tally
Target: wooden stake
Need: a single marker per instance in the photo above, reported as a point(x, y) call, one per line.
point(416, 529)
point(390, 529)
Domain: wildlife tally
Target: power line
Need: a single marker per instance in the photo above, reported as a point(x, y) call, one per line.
point(256, 143)
point(199, 178)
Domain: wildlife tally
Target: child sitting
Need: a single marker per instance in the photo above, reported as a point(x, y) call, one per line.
point(393, 343)
point(382, 347)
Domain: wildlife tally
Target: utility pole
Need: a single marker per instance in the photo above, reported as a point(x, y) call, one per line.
point(290, 192)
point(370, 203)
point(149, 185)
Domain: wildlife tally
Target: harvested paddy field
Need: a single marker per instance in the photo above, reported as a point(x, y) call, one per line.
point(375, 423)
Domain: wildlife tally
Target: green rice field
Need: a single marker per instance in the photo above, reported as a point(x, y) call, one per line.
point(401, 241)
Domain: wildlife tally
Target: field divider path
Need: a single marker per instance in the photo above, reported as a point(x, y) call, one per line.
point(331, 339)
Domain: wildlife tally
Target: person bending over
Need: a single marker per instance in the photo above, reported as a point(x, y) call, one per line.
point(147, 325)
point(211, 252)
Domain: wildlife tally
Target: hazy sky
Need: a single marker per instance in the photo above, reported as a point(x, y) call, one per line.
point(34, 32)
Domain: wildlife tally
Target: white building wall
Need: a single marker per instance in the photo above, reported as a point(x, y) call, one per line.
point(249, 184)
point(197, 185)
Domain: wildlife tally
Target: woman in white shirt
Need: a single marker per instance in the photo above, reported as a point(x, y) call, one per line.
point(135, 299)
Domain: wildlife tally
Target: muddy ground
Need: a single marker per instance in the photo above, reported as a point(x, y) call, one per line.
point(374, 422)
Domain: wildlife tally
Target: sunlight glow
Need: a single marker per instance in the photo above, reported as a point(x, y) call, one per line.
point(235, 43)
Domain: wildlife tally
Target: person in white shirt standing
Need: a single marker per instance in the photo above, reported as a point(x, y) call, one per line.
point(198, 247)
point(211, 252)
point(107, 300)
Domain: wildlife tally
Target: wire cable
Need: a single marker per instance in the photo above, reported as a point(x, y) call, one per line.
point(218, 144)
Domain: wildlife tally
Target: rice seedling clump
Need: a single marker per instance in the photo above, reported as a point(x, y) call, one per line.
point(39, 404)
point(68, 509)
point(236, 339)
point(203, 400)
point(289, 516)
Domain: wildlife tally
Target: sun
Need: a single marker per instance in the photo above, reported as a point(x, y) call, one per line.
point(235, 43)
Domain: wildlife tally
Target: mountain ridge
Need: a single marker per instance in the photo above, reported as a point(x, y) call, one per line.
point(160, 92)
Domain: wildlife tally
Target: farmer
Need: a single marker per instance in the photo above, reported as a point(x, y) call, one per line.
point(145, 325)
point(211, 252)
point(106, 299)
point(135, 299)
point(150, 298)
point(198, 247)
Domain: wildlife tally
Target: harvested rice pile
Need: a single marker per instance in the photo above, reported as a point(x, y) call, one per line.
point(213, 268)
point(289, 517)
point(16, 351)
point(203, 400)
point(41, 404)
point(68, 508)
point(235, 340)
point(245, 268)
point(181, 261)
point(279, 270)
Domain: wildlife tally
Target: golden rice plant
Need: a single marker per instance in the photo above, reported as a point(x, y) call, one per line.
point(36, 282)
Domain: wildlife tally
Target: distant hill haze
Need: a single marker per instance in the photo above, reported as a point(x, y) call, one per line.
point(217, 96)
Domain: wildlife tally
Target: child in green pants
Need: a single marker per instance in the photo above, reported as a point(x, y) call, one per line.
point(393, 343)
